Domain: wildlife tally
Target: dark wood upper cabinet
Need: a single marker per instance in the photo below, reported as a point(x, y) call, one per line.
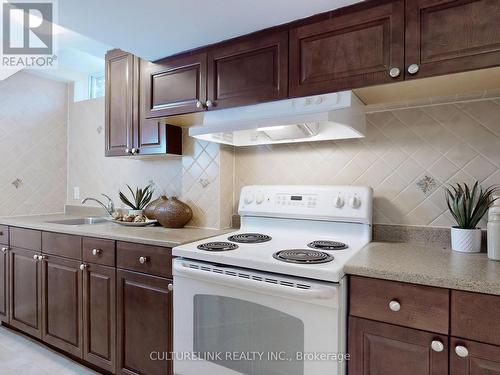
point(122, 94)
point(62, 304)
point(449, 36)
point(99, 322)
point(379, 348)
point(144, 323)
point(4, 283)
point(174, 86)
point(475, 358)
point(248, 71)
point(155, 137)
point(351, 50)
point(25, 292)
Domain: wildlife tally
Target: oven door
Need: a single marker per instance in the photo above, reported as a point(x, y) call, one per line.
point(230, 321)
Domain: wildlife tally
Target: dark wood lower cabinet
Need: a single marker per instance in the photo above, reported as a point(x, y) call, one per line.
point(144, 323)
point(62, 304)
point(4, 283)
point(383, 349)
point(25, 292)
point(481, 359)
point(99, 323)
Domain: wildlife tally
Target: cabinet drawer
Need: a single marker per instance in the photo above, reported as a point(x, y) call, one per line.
point(421, 307)
point(25, 238)
point(475, 316)
point(4, 234)
point(64, 245)
point(104, 251)
point(158, 260)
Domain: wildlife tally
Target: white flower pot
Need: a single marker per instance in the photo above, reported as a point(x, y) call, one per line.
point(466, 240)
point(135, 212)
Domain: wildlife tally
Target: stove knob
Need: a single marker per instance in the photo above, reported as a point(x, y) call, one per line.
point(249, 198)
point(338, 202)
point(354, 202)
point(259, 198)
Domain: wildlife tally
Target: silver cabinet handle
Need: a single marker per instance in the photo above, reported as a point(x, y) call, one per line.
point(461, 351)
point(394, 72)
point(83, 266)
point(128, 151)
point(413, 69)
point(209, 104)
point(35, 257)
point(170, 287)
point(143, 260)
point(41, 257)
point(199, 104)
point(135, 151)
point(394, 305)
point(96, 252)
point(5, 249)
point(437, 346)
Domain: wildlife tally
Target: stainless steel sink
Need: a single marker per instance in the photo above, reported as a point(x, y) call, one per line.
point(79, 221)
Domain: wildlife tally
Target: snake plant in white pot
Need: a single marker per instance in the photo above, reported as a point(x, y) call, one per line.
point(468, 206)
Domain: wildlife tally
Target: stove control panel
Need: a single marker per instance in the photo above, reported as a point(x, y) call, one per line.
point(335, 203)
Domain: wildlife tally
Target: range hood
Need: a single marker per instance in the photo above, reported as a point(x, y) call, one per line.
point(339, 115)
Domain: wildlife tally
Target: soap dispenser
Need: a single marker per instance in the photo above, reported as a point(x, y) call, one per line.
point(494, 231)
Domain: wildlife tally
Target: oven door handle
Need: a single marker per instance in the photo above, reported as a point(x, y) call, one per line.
point(269, 287)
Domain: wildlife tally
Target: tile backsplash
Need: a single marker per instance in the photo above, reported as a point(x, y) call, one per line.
point(33, 123)
point(406, 156)
point(195, 177)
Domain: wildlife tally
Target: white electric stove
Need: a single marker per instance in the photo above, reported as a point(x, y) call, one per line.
point(274, 288)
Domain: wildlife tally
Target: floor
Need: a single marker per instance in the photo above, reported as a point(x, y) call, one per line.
point(21, 355)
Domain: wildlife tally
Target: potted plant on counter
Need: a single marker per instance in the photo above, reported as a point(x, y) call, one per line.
point(140, 198)
point(468, 206)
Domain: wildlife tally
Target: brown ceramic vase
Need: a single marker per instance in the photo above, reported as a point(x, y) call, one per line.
point(172, 213)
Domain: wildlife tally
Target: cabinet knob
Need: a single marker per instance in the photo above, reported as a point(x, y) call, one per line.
point(413, 69)
point(5, 249)
point(135, 151)
point(209, 104)
point(143, 260)
point(128, 151)
point(199, 104)
point(83, 266)
point(170, 287)
point(96, 252)
point(461, 351)
point(394, 72)
point(35, 257)
point(41, 257)
point(437, 346)
point(395, 305)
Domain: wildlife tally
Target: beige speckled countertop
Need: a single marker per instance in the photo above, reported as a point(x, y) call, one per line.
point(151, 235)
point(427, 265)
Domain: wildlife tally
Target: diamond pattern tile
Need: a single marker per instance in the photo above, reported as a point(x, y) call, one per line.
point(447, 143)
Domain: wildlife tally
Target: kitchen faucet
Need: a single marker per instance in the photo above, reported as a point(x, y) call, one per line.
point(110, 207)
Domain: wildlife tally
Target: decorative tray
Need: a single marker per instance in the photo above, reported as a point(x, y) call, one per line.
point(133, 224)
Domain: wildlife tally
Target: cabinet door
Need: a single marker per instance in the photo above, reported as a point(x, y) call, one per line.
point(379, 348)
point(155, 137)
point(249, 71)
point(4, 283)
point(174, 86)
point(476, 359)
point(25, 292)
point(356, 49)
point(61, 304)
point(122, 95)
point(447, 36)
point(144, 323)
point(99, 322)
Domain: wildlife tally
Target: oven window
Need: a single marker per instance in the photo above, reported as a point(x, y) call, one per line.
point(261, 337)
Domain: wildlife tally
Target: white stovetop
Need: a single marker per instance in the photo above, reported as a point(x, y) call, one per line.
point(286, 234)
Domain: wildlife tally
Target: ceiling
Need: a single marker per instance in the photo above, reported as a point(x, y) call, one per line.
point(152, 29)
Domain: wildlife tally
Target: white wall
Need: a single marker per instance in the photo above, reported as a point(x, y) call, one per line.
point(33, 123)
